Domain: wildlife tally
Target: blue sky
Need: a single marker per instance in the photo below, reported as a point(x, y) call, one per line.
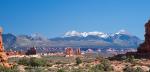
point(54, 17)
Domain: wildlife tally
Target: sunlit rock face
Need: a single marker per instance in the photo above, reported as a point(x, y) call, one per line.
point(145, 47)
point(1, 42)
point(78, 51)
point(69, 52)
point(3, 56)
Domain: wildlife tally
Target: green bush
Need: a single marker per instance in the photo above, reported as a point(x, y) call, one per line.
point(34, 62)
point(123, 57)
point(24, 61)
point(138, 69)
point(97, 68)
point(35, 69)
point(4, 69)
point(78, 61)
point(59, 62)
point(49, 64)
point(130, 59)
point(77, 70)
point(61, 70)
point(104, 66)
point(128, 69)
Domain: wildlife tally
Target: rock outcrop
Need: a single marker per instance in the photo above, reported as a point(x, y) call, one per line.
point(31, 51)
point(3, 56)
point(78, 51)
point(69, 52)
point(72, 52)
point(143, 51)
point(145, 47)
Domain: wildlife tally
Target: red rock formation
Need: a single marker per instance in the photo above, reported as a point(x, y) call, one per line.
point(12, 53)
point(145, 47)
point(69, 52)
point(78, 51)
point(1, 41)
point(3, 56)
point(143, 51)
point(31, 51)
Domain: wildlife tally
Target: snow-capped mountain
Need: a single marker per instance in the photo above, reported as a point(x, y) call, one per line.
point(95, 39)
point(121, 38)
point(94, 33)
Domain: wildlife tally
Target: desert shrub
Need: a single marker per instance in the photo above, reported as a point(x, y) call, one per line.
point(78, 61)
point(61, 70)
point(88, 60)
point(128, 69)
point(77, 70)
point(34, 62)
point(99, 57)
point(130, 59)
point(24, 61)
point(138, 69)
point(97, 68)
point(119, 57)
point(34, 69)
point(59, 62)
point(49, 64)
point(104, 66)
point(123, 57)
point(13, 69)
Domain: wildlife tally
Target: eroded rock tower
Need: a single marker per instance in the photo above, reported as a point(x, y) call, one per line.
point(3, 56)
point(145, 47)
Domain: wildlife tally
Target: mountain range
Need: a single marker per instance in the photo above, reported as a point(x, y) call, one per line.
point(120, 39)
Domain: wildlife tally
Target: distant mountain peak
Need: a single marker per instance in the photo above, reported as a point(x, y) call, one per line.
point(71, 33)
point(123, 31)
point(36, 35)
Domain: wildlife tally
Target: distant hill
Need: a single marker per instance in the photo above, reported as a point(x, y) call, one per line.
point(121, 39)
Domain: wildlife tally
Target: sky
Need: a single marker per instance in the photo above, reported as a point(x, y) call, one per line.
point(53, 18)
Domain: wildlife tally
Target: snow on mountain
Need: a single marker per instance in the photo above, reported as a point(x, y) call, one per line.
point(38, 36)
point(94, 33)
point(122, 31)
point(72, 33)
point(85, 34)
